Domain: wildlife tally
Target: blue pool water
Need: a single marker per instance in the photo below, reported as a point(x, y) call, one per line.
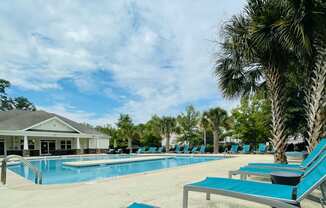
point(54, 172)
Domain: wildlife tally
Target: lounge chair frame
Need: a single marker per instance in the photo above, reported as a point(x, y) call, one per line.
point(244, 174)
point(274, 202)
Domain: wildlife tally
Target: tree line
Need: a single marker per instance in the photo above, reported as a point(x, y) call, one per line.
point(193, 127)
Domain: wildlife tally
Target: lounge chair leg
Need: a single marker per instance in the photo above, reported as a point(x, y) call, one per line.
point(230, 174)
point(185, 198)
point(208, 196)
point(323, 194)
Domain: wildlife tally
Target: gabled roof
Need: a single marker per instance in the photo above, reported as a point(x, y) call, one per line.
point(21, 120)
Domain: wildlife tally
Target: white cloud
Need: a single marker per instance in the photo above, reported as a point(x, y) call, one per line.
point(73, 113)
point(159, 52)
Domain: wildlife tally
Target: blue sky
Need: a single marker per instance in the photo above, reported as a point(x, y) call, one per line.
point(92, 60)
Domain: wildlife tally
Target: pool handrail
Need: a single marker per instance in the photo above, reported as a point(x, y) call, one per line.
point(38, 174)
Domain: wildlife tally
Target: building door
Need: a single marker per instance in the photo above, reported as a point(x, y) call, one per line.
point(2, 148)
point(47, 147)
point(51, 147)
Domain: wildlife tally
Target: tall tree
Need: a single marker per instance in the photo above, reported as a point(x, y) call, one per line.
point(126, 129)
point(167, 127)
point(188, 124)
point(218, 121)
point(148, 133)
point(8, 103)
point(302, 30)
point(204, 126)
point(23, 103)
point(252, 120)
point(253, 57)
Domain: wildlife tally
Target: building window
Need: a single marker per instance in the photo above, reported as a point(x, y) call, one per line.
point(31, 144)
point(69, 145)
point(65, 144)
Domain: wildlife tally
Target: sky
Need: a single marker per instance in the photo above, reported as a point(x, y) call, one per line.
point(92, 60)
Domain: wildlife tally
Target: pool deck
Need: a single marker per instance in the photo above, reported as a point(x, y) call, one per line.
point(114, 161)
point(162, 188)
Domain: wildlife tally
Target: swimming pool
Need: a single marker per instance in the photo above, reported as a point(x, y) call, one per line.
point(54, 172)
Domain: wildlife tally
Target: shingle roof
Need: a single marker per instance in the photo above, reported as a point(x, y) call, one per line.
point(19, 120)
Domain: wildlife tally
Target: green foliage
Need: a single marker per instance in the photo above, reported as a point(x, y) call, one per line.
point(219, 122)
point(295, 86)
point(188, 128)
point(167, 125)
point(126, 129)
point(3, 85)
point(217, 119)
point(252, 120)
point(8, 103)
point(148, 134)
point(23, 103)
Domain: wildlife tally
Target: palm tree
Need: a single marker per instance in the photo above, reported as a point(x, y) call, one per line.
point(126, 129)
point(303, 31)
point(204, 125)
point(217, 119)
point(167, 127)
point(253, 59)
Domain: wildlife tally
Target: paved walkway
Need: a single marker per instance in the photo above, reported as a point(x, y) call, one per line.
point(162, 188)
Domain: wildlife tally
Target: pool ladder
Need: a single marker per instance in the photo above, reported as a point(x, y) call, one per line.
point(38, 174)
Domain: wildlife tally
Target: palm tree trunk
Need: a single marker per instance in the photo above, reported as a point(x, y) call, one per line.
point(204, 135)
point(315, 98)
point(216, 142)
point(167, 143)
point(130, 145)
point(274, 84)
point(115, 145)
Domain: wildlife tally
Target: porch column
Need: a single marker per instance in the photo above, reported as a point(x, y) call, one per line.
point(25, 150)
point(78, 150)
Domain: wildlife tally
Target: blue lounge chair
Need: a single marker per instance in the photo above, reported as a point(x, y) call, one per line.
point(194, 150)
point(265, 171)
point(186, 149)
point(177, 149)
point(262, 148)
point(202, 149)
point(140, 205)
point(305, 163)
point(234, 148)
point(151, 150)
point(160, 150)
point(245, 149)
point(141, 150)
point(154, 150)
point(281, 196)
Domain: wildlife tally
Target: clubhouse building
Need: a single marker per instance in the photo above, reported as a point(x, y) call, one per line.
point(37, 133)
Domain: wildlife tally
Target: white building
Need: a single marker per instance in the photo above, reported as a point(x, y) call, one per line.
point(33, 133)
point(173, 140)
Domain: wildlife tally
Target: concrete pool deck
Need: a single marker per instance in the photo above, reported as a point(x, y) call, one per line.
point(162, 188)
